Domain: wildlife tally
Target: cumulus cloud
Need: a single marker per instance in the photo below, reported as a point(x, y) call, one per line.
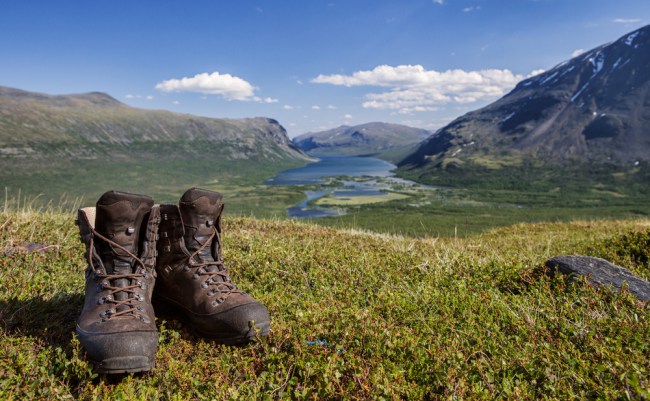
point(412, 88)
point(228, 86)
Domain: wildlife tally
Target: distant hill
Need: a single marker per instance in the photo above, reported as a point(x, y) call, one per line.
point(87, 143)
point(88, 125)
point(378, 139)
point(590, 111)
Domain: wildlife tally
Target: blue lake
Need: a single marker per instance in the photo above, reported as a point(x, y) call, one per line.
point(320, 173)
point(333, 166)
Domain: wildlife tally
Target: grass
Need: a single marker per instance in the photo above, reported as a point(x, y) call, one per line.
point(355, 315)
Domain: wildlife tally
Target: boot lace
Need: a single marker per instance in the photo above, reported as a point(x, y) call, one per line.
point(108, 283)
point(219, 277)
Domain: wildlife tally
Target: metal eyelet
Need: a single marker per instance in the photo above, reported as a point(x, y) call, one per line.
point(204, 284)
point(195, 276)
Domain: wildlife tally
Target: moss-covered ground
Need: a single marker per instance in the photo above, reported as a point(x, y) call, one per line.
point(355, 315)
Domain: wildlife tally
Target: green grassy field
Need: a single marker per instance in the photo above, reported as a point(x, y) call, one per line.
point(355, 315)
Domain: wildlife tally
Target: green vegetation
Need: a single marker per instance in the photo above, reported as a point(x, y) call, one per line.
point(422, 211)
point(355, 315)
point(165, 179)
point(332, 200)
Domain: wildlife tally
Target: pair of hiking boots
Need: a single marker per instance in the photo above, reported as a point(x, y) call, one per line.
point(132, 244)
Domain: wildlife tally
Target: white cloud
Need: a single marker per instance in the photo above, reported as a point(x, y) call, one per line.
point(228, 86)
point(577, 52)
point(265, 100)
point(287, 107)
point(535, 72)
point(176, 102)
point(411, 88)
point(441, 2)
point(470, 9)
point(627, 20)
point(315, 107)
point(299, 82)
point(348, 116)
point(331, 107)
point(132, 96)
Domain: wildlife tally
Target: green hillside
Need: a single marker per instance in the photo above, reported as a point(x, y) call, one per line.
point(82, 145)
point(355, 315)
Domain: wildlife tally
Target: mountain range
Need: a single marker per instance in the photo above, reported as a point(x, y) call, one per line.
point(592, 110)
point(387, 141)
point(60, 148)
point(95, 125)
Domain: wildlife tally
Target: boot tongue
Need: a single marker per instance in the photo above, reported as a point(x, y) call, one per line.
point(119, 218)
point(200, 211)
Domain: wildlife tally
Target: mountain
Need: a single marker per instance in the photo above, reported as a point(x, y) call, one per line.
point(79, 146)
point(590, 111)
point(378, 139)
point(95, 125)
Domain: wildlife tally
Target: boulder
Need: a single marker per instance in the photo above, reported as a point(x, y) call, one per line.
point(600, 272)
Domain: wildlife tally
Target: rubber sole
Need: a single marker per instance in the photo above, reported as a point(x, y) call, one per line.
point(125, 364)
point(254, 334)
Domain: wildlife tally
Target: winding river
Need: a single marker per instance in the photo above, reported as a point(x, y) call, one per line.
point(319, 176)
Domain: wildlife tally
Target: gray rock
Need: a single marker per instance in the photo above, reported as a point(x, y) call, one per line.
point(600, 272)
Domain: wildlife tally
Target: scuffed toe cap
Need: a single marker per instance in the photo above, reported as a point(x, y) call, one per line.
point(239, 324)
point(120, 352)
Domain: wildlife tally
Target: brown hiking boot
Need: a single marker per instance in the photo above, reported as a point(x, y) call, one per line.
point(192, 278)
point(117, 326)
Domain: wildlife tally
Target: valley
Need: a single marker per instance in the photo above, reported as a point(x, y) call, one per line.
point(569, 143)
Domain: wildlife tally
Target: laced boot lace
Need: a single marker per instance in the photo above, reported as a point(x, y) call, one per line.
point(132, 309)
point(218, 278)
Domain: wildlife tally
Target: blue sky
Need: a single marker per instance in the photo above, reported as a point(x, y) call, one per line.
point(310, 64)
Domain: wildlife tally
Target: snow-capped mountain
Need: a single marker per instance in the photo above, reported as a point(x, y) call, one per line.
point(594, 108)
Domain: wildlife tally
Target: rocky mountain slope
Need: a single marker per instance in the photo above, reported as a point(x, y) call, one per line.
point(591, 110)
point(95, 125)
point(367, 139)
